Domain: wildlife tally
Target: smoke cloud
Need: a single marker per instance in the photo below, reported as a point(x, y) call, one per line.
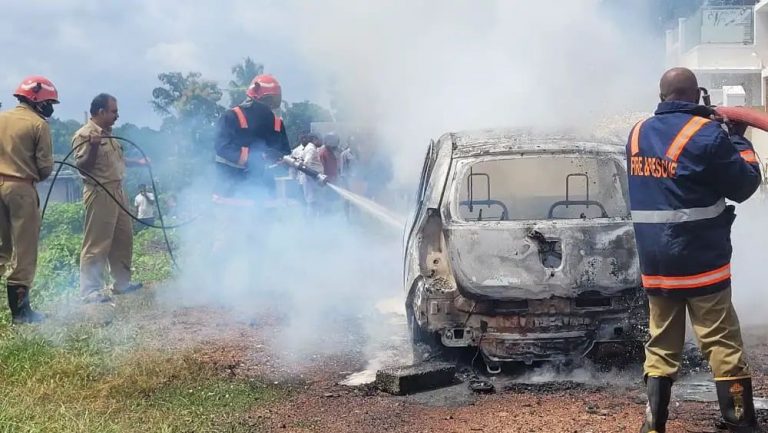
point(419, 69)
point(413, 70)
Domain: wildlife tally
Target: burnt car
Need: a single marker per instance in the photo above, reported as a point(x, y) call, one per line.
point(521, 248)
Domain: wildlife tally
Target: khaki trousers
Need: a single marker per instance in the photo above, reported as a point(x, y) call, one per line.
point(19, 231)
point(107, 239)
point(716, 327)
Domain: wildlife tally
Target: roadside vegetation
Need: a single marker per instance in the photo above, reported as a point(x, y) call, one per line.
point(78, 376)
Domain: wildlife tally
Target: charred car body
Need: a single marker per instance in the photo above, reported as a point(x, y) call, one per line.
point(521, 247)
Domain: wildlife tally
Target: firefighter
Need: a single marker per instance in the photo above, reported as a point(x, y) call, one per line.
point(682, 167)
point(108, 233)
point(249, 136)
point(26, 157)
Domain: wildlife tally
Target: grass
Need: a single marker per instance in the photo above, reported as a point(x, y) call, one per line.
point(77, 377)
point(83, 381)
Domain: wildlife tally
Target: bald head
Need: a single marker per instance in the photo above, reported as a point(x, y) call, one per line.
point(679, 84)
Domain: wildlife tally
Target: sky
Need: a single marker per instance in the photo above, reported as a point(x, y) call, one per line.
point(415, 68)
point(88, 46)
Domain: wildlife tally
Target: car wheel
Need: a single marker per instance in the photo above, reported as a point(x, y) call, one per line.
point(424, 345)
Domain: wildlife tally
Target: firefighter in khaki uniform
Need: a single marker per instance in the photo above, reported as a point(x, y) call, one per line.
point(682, 167)
point(26, 157)
point(108, 233)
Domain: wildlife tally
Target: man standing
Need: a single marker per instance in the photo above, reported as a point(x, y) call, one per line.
point(108, 234)
point(328, 156)
point(682, 167)
point(26, 157)
point(145, 206)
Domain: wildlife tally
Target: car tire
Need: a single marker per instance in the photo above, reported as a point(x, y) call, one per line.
point(424, 345)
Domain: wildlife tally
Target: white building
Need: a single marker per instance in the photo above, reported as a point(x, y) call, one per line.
point(727, 48)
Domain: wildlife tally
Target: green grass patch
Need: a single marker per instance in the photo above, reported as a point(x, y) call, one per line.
point(72, 383)
point(58, 264)
point(77, 377)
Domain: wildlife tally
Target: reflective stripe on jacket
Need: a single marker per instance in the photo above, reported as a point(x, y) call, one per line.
point(682, 167)
point(246, 127)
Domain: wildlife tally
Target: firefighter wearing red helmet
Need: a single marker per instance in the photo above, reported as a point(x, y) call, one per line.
point(249, 137)
point(26, 157)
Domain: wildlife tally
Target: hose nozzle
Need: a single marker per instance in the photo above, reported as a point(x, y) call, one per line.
point(320, 177)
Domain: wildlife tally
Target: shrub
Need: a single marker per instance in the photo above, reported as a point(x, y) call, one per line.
point(67, 217)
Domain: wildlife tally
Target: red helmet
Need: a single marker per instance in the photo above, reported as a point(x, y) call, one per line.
point(38, 89)
point(263, 85)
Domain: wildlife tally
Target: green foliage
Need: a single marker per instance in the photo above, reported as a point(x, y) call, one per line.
point(187, 97)
point(243, 74)
point(62, 132)
point(298, 118)
point(190, 108)
point(80, 380)
point(58, 266)
point(58, 263)
point(150, 258)
point(63, 217)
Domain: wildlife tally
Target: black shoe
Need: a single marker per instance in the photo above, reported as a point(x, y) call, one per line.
point(737, 405)
point(132, 287)
point(21, 311)
point(656, 413)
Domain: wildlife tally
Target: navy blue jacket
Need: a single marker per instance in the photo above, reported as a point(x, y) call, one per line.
point(682, 166)
point(262, 129)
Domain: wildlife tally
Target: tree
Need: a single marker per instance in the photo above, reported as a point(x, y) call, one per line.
point(243, 74)
point(190, 108)
point(187, 97)
point(62, 132)
point(298, 118)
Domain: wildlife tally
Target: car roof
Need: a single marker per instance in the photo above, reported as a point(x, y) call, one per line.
point(507, 141)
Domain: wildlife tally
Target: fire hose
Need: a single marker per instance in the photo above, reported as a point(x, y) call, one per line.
point(298, 165)
point(754, 118)
point(162, 225)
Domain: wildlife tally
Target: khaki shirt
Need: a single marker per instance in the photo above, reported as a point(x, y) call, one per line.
point(110, 163)
point(25, 144)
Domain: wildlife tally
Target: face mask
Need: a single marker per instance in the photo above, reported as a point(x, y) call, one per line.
point(45, 109)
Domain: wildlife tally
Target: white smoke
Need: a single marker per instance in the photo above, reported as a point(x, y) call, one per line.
point(411, 69)
point(419, 69)
point(750, 238)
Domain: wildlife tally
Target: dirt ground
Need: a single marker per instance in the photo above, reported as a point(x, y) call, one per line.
point(585, 401)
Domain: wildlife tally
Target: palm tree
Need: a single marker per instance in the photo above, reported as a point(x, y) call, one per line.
point(243, 74)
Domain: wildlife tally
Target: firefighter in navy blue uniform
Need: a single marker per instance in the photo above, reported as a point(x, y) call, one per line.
point(682, 167)
point(250, 136)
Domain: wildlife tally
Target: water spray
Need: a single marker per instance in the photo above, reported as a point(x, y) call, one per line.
point(372, 208)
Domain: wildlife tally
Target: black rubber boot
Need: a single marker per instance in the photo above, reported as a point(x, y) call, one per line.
point(21, 311)
point(656, 413)
point(13, 301)
point(737, 405)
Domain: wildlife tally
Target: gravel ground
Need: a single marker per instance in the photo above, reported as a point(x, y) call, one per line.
point(525, 400)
